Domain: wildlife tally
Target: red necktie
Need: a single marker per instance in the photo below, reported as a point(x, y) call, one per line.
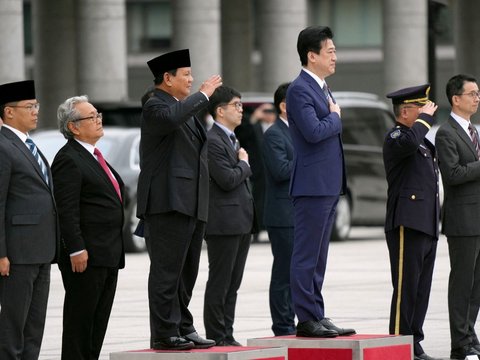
point(105, 168)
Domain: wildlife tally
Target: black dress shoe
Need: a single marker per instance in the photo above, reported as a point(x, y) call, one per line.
point(228, 343)
point(233, 342)
point(424, 357)
point(312, 328)
point(462, 352)
point(331, 326)
point(172, 343)
point(199, 342)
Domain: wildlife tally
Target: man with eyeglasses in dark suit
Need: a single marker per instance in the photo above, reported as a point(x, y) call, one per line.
point(28, 226)
point(458, 154)
point(89, 195)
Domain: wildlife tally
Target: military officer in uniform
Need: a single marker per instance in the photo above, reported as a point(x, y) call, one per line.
point(412, 220)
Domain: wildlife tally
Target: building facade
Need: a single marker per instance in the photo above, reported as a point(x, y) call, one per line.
point(100, 47)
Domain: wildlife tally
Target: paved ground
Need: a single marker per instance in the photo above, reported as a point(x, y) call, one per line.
point(357, 294)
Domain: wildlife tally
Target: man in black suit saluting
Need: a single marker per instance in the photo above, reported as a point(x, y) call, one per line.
point(28, 226)
point(89, 198)
point(172, 197)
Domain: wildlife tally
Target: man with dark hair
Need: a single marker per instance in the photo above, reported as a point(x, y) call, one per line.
point(318, 178)
point(278, 218)
point(413, 211)
point(458, 154)
point(231, 216)
point(29, 235)
point(173, 197)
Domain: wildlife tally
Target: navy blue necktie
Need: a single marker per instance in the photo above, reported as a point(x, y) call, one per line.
point(33, 148)
point(235, 143)
point(327, 93)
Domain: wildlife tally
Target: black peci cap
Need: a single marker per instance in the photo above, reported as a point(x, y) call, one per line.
point(411, 95)
point(17, 91)
point(169, 61)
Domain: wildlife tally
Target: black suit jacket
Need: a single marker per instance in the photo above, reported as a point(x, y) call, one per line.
point(90, 211)
point(231, 209)
point(173, 157)
point(28, 215)
point(460, 167)
point(412, 175)
point(278, 158)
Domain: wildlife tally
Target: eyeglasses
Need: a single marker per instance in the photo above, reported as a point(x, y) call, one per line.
point(30, 107)
point(472, 94)
point(92, 118)
point(238, 105)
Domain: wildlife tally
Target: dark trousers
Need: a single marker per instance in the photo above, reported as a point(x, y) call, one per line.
point(174, 244)
point(226, 262)
point(412, 258)
point(463, 289)
point(313, 222)
point(280, 296)
point(86, 310)
point(23, 307)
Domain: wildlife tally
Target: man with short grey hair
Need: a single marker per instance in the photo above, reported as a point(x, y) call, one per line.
point(89, 195)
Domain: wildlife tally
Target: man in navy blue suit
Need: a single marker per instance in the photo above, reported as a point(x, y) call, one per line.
point(318, 178)
point(278, 214)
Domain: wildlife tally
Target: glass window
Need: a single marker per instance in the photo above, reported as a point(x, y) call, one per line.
point(356, 23)
point(444, 25)
point(149, 25)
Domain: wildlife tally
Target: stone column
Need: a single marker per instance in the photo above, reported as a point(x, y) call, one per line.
point(466, 39)
point(405, 47)
point(12, 65)
point(55, 56)
point(101, 49)
point(280, 21)
point(196, 25)
point(237, 44)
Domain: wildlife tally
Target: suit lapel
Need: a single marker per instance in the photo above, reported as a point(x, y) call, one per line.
point(95, 166)
point(463, 135)
point(226, 140)
point(196, 128)
point(28, 154)
point(286, 132)
point(314, 85)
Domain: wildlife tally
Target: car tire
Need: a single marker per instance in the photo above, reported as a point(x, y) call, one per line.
point(343, 220)
point(132, 243)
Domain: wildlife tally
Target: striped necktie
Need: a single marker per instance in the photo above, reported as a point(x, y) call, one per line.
point(33, 148)
point(327, 93)
point(474, 136)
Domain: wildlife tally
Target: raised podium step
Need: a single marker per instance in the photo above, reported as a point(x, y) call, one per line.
point(214, 353)
point(355, 347)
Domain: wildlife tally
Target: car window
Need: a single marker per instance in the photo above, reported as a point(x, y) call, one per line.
point(364, 126)
point(121, 116)
point(135, 154)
